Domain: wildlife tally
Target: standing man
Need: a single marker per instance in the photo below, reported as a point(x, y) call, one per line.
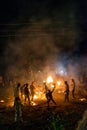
point(27, 93)
point(17, 90)
point(73, 89)
point(66, 92)
point(18, 109)
point(32, 90)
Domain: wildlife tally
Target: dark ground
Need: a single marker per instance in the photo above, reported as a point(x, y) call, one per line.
point(36, 117)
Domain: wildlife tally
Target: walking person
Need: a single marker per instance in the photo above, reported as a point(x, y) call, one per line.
point(49, 95)
point(66, 92)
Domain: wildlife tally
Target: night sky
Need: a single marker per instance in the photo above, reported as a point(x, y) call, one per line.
point(51, 28)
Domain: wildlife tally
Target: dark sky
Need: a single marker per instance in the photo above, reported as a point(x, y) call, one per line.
point(20, 11)
point(65, 20)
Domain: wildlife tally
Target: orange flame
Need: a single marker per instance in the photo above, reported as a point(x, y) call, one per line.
point(2, 101)
point(49, 79)
point(58, 82)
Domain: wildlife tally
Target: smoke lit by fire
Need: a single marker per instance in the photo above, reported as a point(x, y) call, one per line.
point(43, 49)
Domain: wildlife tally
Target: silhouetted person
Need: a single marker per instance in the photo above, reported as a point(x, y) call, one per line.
point(73, 89)
point(66, 92)
point(27, 93)
point(22, 91)
point(17, 90)
point(49, 95)
point(18, 109)
point(32, 90)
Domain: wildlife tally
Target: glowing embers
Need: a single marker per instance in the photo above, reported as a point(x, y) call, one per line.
point(2, 101)
point(10, 104)
point(82, 99)
point(39, 95)
point(33, 103)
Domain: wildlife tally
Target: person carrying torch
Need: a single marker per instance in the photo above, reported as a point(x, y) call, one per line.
point(49, 95)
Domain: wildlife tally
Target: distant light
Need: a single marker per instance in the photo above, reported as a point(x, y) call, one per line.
point(62, 72)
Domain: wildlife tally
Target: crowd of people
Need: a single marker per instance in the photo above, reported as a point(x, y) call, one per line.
point(26, 93)
point(21, 93)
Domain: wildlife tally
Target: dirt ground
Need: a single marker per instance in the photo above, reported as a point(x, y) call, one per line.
point(35, 117)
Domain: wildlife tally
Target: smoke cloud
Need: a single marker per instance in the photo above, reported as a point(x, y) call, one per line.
point(36, 47)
